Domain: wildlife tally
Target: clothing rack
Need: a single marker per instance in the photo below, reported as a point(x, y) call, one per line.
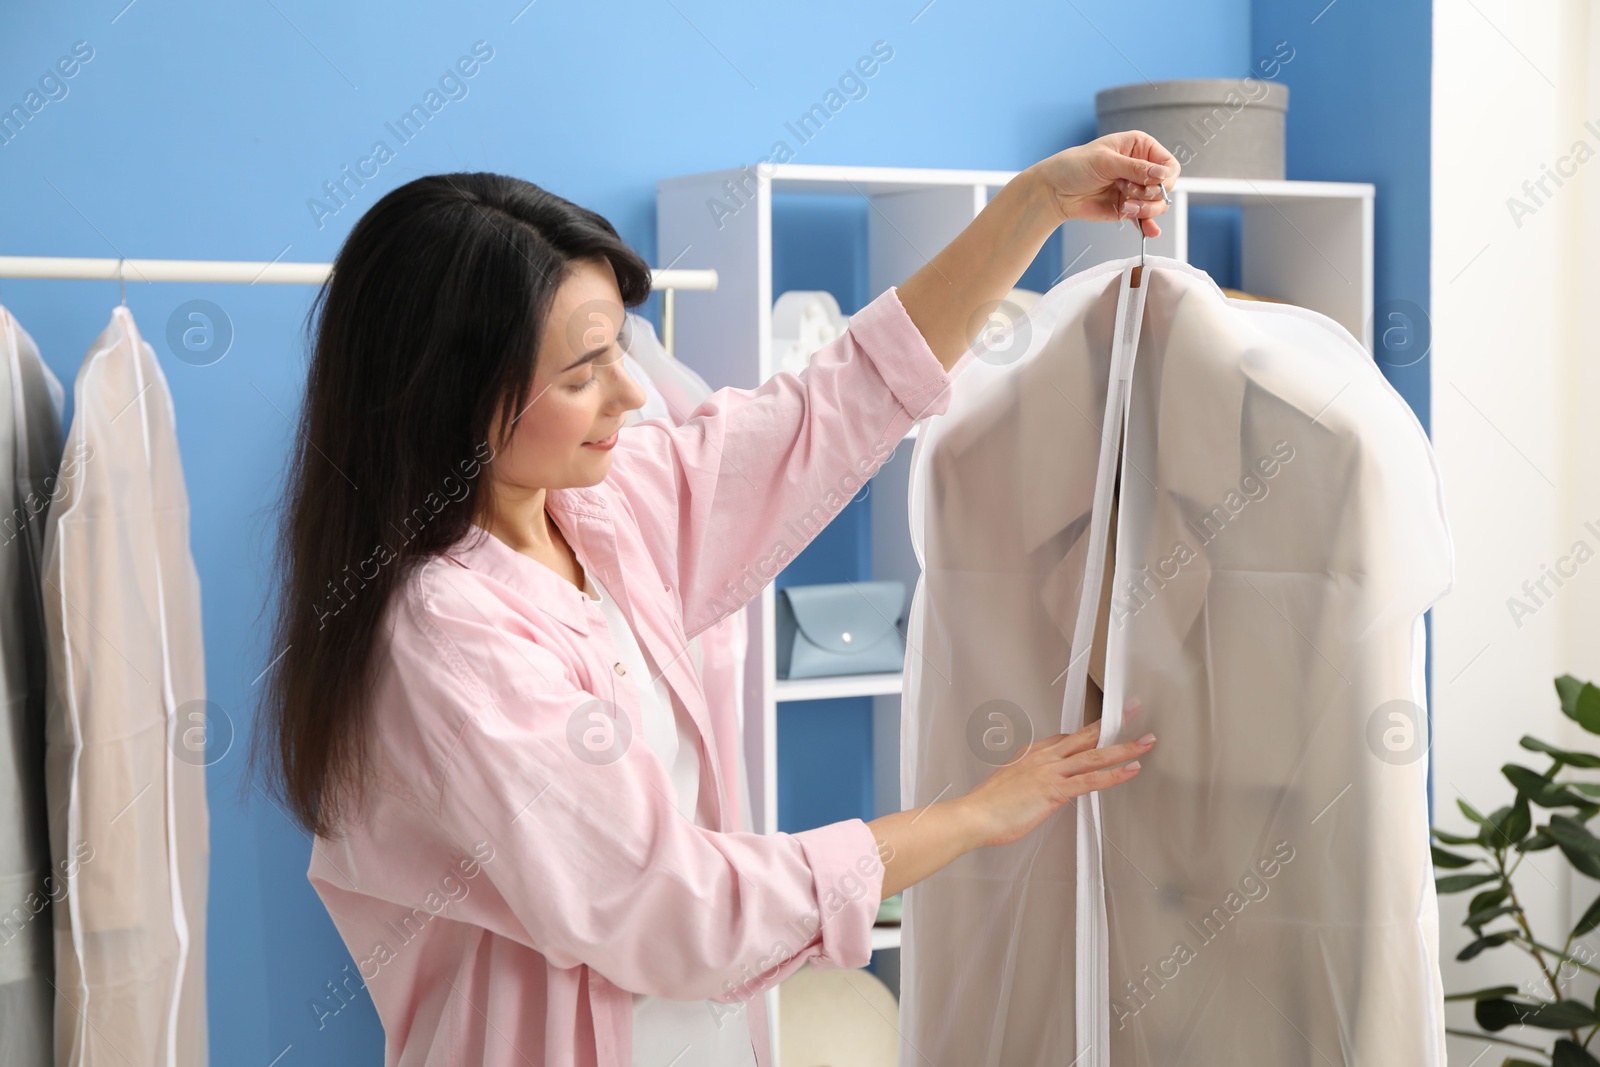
point(667, 281)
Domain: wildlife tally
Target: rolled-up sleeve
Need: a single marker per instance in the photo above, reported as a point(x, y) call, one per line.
point(593, 862)
point(730, 496)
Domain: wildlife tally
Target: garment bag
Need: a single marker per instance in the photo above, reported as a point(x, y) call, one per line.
point(125, 731)
point(1262, 892)
point(30, 448)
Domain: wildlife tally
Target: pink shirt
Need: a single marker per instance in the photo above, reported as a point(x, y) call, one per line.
point(519, 869)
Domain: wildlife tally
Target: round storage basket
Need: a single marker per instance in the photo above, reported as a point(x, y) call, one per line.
point(1216, 127)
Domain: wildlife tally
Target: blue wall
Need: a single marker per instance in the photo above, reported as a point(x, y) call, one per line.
point(1360, 106)
point(1360, 95)
point(203, 131)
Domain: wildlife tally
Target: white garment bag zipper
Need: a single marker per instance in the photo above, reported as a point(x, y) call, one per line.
point(1093, 1011)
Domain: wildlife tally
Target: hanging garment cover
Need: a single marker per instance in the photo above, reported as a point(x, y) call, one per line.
point(125, 761)
point(1262, 893)
point(719, 650)
point(30, 449)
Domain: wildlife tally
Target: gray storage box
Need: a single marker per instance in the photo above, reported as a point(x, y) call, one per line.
point(1216, 127)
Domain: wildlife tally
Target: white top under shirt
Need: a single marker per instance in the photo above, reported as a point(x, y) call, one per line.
point(667, 1031)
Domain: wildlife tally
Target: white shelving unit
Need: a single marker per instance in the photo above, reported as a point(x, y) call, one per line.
point(1309, 243)
point(1306, 242)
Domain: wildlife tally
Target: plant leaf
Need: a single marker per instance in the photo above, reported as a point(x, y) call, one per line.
point(1567, 688)
point(1525, 779)
point(1590, 920)
point(1461, 839)
point(1581, 848)
point(1512, 824)
point(1449, 860)
point(1488, 898)
point(1471, 812)
point(1568, 1054)
point(1490, 836)
point(1487, 941)
point(1479, 918)
point(1591, 789)
point(1493, 992)
point(1540, 790)
point(1587, 707)
point(1562, 1015)
point(1457, 883)
point(1497, 1013)
point(1536, 841)
point(1572, 759)
point(1559, 796)
point(1584, 862)
point(1568, 831)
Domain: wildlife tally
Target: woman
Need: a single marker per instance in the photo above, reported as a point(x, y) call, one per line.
point(488, 591)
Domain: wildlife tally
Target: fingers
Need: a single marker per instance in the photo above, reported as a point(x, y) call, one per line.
point(1087, 737)
point(1154, 151)
point(1138, 145)
point(1143, 172)
point(1097, 758)
point(1130, 160)
point(1135, 191)
point(1079, 784)
point(1142, 215)
point(1061, 745)
point(1086, 768)
point(1136, 208)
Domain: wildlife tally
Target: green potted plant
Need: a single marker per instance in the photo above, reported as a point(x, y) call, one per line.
point(1495, 915)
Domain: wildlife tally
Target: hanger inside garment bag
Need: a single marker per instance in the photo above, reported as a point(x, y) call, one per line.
point(1095, 697)
point(1137, 274)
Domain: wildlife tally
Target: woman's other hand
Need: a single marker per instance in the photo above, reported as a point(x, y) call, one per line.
point(1010, 803)
point(1019, 796)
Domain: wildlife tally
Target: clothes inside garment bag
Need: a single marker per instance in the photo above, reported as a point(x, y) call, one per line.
point(30, 449)
point(1262, 893)
point(125, 742)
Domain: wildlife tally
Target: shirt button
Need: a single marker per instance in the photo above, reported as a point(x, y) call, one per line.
point(668, 588)
point(619, 668)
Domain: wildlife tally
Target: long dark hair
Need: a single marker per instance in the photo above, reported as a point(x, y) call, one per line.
point(425, 332)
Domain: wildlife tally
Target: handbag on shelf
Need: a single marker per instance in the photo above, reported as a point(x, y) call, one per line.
point(842, 628)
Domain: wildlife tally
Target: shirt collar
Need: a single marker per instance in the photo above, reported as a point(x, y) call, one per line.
point(482, 551)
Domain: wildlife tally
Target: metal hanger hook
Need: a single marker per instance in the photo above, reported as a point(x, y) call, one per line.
point(1140, 223)
point(122, 285)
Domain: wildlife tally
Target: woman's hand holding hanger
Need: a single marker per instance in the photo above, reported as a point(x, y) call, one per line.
point(1118, 176)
